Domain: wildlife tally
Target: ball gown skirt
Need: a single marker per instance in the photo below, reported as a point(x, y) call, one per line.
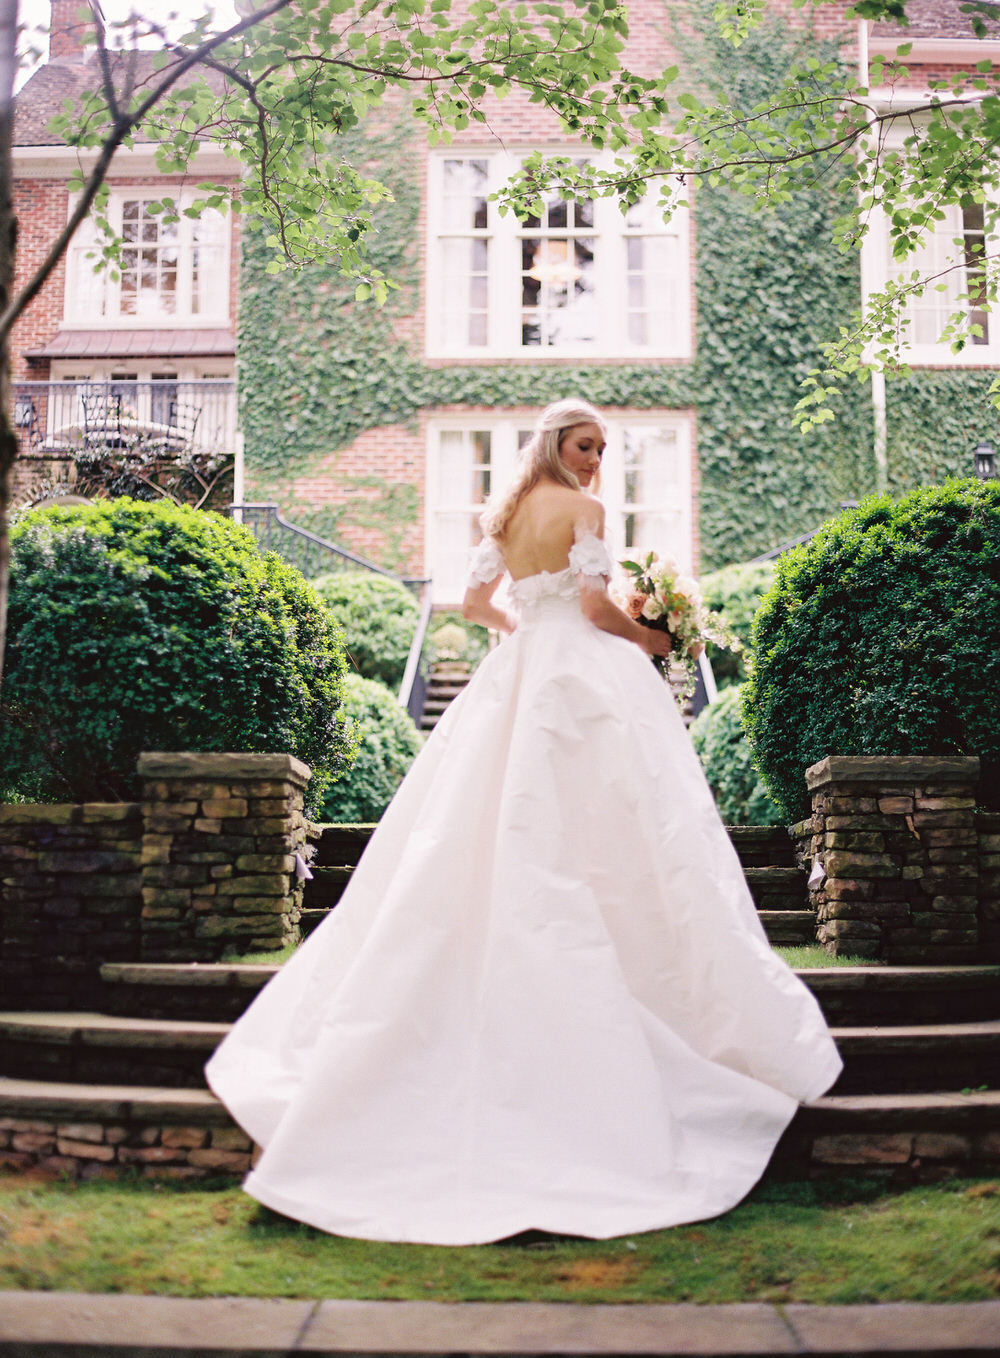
point(545, 1000)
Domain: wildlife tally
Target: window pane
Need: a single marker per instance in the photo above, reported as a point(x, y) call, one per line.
point(465, 188)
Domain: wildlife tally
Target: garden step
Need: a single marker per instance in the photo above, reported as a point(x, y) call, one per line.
point(787, 928)
point(326, 886)
point(213, 991)
point(916, 1057)
point(775, 888)
point(847, 995)
point(897, 995)
point(107, 1047)
point(763, 846)
point(340, 844)
point(310, 919)
point(908, 1133)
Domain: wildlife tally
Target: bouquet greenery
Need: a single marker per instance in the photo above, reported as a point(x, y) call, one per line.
point(660, 596)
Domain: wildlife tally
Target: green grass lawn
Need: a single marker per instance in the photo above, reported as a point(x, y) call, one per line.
point(831, 1241)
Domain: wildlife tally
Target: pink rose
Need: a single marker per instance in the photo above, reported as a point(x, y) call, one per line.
point(634, 604)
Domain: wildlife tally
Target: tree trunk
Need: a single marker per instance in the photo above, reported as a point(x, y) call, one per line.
point(8, 248)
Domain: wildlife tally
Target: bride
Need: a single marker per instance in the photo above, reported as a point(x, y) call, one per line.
point(546, 1000)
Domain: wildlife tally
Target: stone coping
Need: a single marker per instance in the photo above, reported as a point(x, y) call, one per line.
point(67, 813)
point(904, 768)
point(194, 764)
point(60, 1324)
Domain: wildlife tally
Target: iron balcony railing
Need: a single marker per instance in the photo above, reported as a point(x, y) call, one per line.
point(314, 555)
point(163, 415)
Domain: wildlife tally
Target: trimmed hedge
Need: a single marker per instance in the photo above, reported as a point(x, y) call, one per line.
point(389, 744)
point(379, 616)
point(137, 626)
point(736, 593)
point(726, 757)
point(881, 636)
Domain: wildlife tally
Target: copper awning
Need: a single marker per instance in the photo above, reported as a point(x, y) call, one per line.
point(137, 344)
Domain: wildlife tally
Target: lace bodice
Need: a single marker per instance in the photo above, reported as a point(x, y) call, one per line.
point(590, 566)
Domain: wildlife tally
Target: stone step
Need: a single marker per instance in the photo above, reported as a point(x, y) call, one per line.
point(326, 886)
point(763, 846)
point(788, 928)
point(213, 991)
point(919, 1057)
point(108, 1048)
point(847, 995)
point(775, 888)
point(176, 1133)
point(338, 845)
point(118, 1049)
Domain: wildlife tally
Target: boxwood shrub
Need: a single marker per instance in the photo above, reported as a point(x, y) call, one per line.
point(379, 616)
point(726, 757)
point(389, 741)
point(881, 636)
point(736, 592)
point(137, 626)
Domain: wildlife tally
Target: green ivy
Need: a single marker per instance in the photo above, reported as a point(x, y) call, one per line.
point(318, 369)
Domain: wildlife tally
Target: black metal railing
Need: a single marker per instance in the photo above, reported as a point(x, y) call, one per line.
point(161, 415)
point(313, 556)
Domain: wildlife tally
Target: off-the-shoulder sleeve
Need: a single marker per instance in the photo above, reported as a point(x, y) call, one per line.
point(590, 559)
point(485, 563)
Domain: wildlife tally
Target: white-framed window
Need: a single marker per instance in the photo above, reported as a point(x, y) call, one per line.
point(645, 486)
point(581, 279)
point(953, 258)
point(171, 273)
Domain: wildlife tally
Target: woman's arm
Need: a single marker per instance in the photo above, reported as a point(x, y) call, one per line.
point(606, 615)
point(478, 606)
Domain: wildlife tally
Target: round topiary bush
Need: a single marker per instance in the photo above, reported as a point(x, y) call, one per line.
point(379, 616)
point(137, 626)
point(389, 744)
point(726, 757)
point(736, 592)
point(881, 636)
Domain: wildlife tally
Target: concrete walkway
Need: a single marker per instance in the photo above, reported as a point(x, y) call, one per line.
point(69, 1325)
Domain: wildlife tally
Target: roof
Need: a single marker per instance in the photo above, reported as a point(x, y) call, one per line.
point(42, 96)
point(136, 344)
point(939, 19)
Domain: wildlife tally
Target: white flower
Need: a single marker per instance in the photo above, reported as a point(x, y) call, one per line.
point(688, 587)
point(652, 609)
point(675, 619)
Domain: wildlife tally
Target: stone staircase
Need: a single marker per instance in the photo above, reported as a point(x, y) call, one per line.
point(778, 887)
point(90, 1092)
point(445, 684)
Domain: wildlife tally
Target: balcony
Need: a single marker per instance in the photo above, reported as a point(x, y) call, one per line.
point(163, 417)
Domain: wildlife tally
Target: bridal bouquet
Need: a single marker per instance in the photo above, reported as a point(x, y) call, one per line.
point(659, 596)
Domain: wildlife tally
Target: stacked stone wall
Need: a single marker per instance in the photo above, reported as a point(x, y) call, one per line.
point(103, 1149)
point(899, 847)
point(221, 835)
point(205, 866)
point(70, 881)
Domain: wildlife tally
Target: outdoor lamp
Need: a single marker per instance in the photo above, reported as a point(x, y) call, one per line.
point(986, 460)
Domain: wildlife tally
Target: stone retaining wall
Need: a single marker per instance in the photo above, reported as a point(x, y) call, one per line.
point(88, 1150)
point(220, 836)
point(899, 846)
point(203, 867)
point(70, 880)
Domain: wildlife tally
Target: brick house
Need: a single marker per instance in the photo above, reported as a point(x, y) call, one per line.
point(148, 355)
point(582, 301)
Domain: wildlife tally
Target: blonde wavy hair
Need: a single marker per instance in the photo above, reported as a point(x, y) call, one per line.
point(540, 458)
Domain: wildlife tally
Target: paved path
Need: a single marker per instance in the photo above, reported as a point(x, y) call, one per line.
point(70, 1325)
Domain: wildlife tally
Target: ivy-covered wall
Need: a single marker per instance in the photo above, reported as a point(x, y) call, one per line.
point(317, 370)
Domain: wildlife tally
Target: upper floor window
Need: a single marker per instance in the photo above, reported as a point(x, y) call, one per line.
point(580, 279)
point(170, 272)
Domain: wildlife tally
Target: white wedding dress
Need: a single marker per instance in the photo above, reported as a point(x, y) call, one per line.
point(545, 1000)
